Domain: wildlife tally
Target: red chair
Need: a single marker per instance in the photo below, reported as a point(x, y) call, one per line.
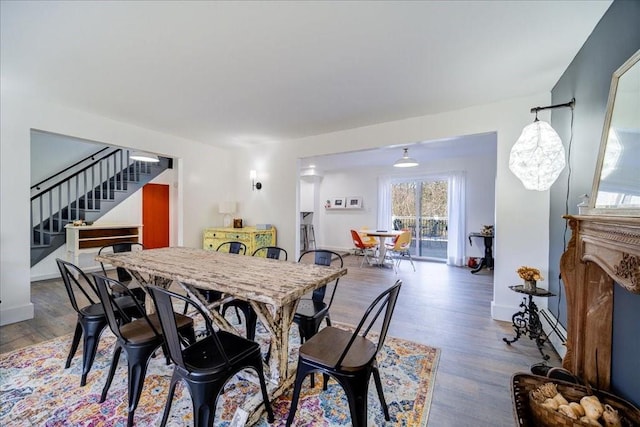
point(365, 249)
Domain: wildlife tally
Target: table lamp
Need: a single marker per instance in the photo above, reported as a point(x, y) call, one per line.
point(227, 208)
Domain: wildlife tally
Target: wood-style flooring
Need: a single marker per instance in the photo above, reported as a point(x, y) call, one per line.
point(441, 306)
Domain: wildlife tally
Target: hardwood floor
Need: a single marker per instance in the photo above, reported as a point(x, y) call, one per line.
point(440, 306)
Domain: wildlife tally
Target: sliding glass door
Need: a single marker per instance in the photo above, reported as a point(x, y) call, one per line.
point(421, 206)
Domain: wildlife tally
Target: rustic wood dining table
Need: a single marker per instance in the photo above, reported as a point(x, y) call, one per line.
point(272, 287)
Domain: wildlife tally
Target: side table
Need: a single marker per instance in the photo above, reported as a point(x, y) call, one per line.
point(487, 260)
point(527, 320)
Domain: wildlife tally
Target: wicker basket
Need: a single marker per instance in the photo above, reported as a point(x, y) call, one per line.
point(530, 414)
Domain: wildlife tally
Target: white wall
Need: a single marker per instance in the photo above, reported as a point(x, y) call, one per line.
point(203, 180)
point(52, 153)
point(521, 216)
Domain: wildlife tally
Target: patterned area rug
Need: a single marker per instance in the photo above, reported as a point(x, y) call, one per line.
point(36, 390)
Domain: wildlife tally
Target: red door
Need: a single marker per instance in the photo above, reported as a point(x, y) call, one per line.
point(155, 216)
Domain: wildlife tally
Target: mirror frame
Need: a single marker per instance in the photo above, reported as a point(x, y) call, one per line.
point(621, 211)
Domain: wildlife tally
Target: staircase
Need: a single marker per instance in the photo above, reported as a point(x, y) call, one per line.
point(97, 185)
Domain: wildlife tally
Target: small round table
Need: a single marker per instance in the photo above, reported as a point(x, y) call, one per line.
point(527, 320)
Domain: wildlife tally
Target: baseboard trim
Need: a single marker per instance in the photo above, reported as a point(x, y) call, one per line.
point(16, 314)
point(558, 337)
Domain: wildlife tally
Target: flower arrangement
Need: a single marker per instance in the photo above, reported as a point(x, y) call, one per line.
point(529, 273)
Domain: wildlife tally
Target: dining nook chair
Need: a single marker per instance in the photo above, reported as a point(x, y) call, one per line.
point(85, 301)
point(349, 357)
point(399, 249)
point(139, 338)
point(363, 248)
point(207, 364)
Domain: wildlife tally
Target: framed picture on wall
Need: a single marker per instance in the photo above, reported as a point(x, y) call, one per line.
point(353, 203)
point(337, 203)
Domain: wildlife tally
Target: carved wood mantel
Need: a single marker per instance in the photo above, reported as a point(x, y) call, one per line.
point(603, 250)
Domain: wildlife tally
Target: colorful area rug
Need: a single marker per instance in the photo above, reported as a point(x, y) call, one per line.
point(36, 390)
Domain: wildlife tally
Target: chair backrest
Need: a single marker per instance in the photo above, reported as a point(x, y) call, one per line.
point(110, 291)
point(233, 247)
point(123, 275)
point(386, 302)
point(367, 240)
point(272, 252)
point(327, 258)
point(76, 281)
point(402, 241)
point(165, 301)
point(357, 240)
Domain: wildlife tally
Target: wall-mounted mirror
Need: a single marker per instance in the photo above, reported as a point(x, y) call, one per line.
point(616, 185)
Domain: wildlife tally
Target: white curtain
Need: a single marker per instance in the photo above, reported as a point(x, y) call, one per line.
point(456, 207)
point(457, 219)
point(384, 203)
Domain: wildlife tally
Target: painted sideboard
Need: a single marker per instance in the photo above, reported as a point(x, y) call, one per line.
point(250, 236)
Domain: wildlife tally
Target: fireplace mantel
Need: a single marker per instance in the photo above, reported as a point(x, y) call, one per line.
point(603, 250)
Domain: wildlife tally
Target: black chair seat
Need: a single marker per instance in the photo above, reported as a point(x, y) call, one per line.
point(198, 357)
point(139, 332)
point(322, 349)
point(310, 308)
point(126, 303)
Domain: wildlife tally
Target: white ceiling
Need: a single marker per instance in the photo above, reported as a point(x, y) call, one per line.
point(242, 73)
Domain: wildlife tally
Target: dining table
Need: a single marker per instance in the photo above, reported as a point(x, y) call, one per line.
point(382, 236)
point(272, 288)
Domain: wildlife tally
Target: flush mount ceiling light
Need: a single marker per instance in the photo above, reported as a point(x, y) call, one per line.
point(144, 157)
point(405, 161)
point(538, 156)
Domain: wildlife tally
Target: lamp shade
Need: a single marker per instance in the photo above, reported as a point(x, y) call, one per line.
point(405, 161)
point(537, 157)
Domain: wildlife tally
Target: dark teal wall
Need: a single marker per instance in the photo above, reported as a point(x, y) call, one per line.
point(588, 77)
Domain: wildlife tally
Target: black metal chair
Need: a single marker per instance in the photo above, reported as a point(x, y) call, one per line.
point(251, 318)
point(272, 252)
point(139, 339)
point(123, 275)
point(349, 357)
point(233, 248)
point(92, 320)
point(312, 311)
point(206, 365)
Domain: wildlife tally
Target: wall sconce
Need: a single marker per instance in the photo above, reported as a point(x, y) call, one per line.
point(254, 185)
point(537, 157)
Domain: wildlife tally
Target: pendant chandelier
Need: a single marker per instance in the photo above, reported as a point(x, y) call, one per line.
point(538, 157)
point(405, 161)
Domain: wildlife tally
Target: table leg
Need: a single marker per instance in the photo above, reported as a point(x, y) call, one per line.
point(278, 324)
point(152, 280)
